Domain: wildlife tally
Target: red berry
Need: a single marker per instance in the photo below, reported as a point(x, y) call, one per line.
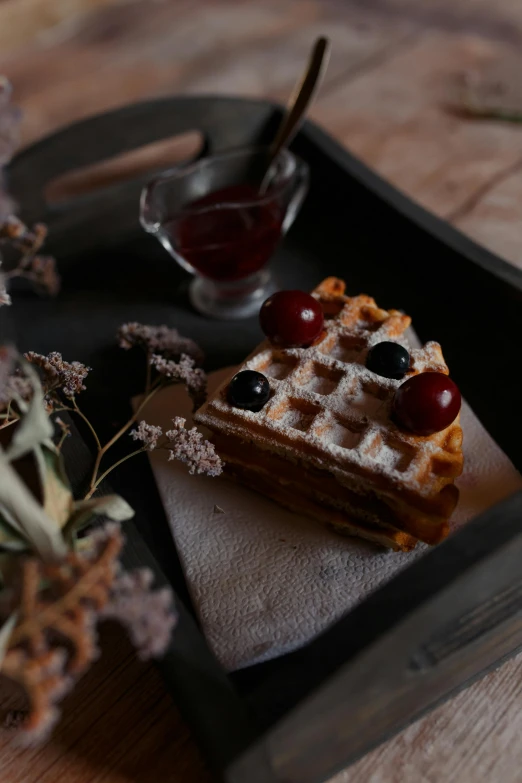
point(427, 403)
point(291, 318)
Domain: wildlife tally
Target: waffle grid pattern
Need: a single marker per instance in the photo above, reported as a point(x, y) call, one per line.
point(327, 409)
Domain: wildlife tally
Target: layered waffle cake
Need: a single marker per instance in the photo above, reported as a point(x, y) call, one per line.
point(327, 438)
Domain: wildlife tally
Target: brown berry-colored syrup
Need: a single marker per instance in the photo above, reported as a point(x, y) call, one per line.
point(232, 241)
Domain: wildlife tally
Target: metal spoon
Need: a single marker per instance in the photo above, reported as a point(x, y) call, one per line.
point(298, 103)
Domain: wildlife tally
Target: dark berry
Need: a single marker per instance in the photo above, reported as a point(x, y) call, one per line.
point(291, 318)
point(249, 390)
point(427, 403)
point(388, 359)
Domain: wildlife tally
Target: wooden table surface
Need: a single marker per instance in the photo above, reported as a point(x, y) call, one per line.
point(387, 97)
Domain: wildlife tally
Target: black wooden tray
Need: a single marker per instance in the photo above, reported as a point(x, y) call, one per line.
point(443, 621)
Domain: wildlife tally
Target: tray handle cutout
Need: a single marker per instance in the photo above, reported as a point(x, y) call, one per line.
point(222, 122)
point(125, 167)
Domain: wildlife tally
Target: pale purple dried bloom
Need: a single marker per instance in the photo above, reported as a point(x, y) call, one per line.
point(11, 228)
point(12, 231)
point(56, 672)
point(158, 339)
point(40, 271)
point(147, 614)
point(190, 447)
point(59, 374)
point(34, 738)
point(185, 370)
point(148, 434)
point(27, 240)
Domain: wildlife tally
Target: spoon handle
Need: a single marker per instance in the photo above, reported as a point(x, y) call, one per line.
point(302, 96)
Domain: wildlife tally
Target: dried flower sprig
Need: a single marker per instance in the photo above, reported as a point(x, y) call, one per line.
point(173, 358)
point(58, 378)
point(59, 375)
point(158, 339)
point(148, 434)
point(57, 587)
point(188, 446)
point(63, 381)
point(49, 635)
point(65, 430)
point(57, 609)
point(183, 370)
point(21, 242)
point(146, 614)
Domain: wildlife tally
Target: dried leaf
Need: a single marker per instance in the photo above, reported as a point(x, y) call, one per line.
point(22, 518)
point(10, 539)
point(22, 513)
point(56, 490)
point(35, 426)
point(57, 501)
point(112, 506)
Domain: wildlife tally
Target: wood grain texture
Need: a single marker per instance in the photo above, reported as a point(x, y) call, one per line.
point(393, 72)
point(474, 738)
point(401, 125)
point(48, 21)
point(119, 726)
point(391, 82)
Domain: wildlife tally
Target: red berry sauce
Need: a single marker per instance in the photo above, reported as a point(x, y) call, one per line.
point(231, 242)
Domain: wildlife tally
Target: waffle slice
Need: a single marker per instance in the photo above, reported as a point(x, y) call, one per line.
point(325, 446)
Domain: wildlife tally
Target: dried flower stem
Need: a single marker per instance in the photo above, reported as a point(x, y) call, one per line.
point(62, 439)
point(95, 481)
point(104, 475)
point(82, 415)
point(76, 409)
point(7, 416)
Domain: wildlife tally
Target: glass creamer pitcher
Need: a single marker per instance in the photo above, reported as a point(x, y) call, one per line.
point(216, 223)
